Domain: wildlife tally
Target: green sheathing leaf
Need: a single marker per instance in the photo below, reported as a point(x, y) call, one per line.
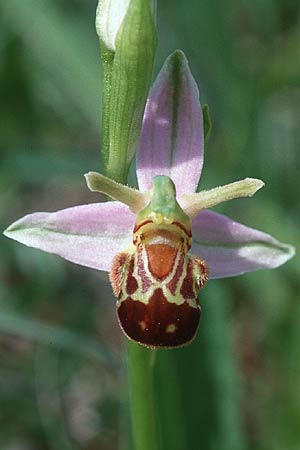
point(129, 85)
point(107, 59)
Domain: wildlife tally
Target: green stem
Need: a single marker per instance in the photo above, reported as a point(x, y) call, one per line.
point(142, 398)
point(170, 391)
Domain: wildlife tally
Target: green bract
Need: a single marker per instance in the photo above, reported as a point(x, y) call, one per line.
point(128, 48)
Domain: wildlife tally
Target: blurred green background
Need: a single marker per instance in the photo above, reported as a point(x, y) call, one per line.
point(62, 373)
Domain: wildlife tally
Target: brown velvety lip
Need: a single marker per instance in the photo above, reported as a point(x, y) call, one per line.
point(159, 323)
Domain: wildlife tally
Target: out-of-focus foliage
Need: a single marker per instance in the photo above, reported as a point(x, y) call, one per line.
point(61, 375)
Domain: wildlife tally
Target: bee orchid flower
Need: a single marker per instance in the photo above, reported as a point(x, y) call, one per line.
point(162, 242)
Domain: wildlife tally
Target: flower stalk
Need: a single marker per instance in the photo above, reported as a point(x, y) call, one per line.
point(144, 414)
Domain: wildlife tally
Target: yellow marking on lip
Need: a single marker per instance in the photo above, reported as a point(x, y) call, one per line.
point(171, 328)
point(143, 325)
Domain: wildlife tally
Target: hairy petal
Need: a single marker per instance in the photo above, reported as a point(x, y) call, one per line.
point(89, 235)
point(192, 204)
point(230, 248)
point(172, 137)
point(135, 200)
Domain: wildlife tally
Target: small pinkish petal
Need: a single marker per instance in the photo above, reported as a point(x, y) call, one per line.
point(171, 140)
point(90, 235)
point(230, 248)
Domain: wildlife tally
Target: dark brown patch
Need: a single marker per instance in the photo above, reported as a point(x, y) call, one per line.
point(150, 324)
point(131, 283)
point(172, 285)
point(161, 258)
point(187, 288)
point(146, 282)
